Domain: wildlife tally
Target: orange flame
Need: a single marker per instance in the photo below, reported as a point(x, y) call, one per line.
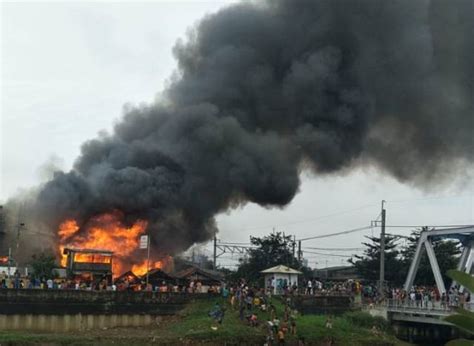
point(103, 232)
point(140, 268)
point(91, 258)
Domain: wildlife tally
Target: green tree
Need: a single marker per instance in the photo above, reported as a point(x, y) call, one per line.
point(447, 252)
point(269, 251)
point(368, 264)
point(43, 265)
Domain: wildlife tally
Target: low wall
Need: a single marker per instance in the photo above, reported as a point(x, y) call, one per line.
point(330, 304)
point(66, 310)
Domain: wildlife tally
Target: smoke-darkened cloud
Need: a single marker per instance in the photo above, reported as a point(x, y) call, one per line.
point(263, 90)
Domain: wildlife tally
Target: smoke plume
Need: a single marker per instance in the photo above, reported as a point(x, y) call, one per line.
point(265, 90)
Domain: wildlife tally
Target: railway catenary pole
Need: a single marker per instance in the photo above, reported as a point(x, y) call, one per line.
point(294, 246)
point(382, 253)
point(214, 262)
point(299, 251)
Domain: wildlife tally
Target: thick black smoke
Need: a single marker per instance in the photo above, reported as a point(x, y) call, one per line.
point(263, 91)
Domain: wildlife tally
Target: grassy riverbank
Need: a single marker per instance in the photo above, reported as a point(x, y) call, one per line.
point(193, 327)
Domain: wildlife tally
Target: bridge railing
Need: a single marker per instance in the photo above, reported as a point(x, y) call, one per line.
point(426, 306)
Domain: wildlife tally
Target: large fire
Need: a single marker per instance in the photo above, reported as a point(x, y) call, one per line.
point(140, 268)
point(107, 232)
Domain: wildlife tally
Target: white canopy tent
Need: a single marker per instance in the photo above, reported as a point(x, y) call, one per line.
point(280, 276)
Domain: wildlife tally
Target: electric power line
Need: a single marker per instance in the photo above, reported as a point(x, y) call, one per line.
point(334, 248)
point(327, 254)
point(312, 219)
point(337, 233)
point(430, 226)
point(220, 242)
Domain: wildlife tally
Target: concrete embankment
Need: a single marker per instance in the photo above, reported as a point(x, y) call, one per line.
point(77, 322)
point(70, 310)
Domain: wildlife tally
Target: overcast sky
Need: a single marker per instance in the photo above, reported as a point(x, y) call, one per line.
point(69, 68)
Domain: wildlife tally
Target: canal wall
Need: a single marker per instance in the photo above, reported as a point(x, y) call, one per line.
point(324, 304)
point(77, 322)
point(71, 310)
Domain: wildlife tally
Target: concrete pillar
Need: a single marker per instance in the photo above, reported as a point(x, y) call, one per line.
point(3, 321)
point(78, 322)
point(100, 322)
point(136, 320)
point(90, 321)
point(55, 323)
point(113, 321)
point(66, 323)
point(41, 322)
point(29, 322)
point(147, 320)
point(125, 320)
point(16, 323)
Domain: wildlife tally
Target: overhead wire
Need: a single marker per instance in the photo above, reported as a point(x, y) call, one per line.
point(333, 248)
point(336, 233)
point(433, 226)
point(232, 243)
point(371, 227)
point(327, 254)
point(313, 219)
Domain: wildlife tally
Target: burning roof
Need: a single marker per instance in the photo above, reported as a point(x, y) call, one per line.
point(128, 276)
point(66, 251)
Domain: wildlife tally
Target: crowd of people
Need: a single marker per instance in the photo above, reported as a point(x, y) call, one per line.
point(321, 287)
point(253, 304)
point(255, 308)
point(313, 287)
point(427, 297)
point(18, 281)
point(424, 297)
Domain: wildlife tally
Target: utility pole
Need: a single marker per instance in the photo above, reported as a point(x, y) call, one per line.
point(299, 250)
point(382, 253)
point(215, 253)
point(294, 246)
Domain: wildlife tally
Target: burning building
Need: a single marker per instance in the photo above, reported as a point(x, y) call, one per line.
point(89, 264)
point(109, 233)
